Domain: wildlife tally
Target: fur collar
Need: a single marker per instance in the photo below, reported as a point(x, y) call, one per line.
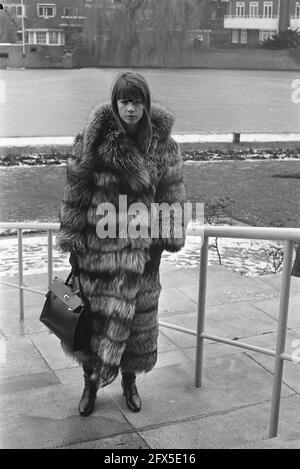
point(101, 123)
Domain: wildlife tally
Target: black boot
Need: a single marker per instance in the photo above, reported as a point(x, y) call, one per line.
point(130, 391)
point(87, 402)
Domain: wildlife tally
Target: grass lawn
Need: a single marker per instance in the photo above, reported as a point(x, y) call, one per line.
point(261, 193)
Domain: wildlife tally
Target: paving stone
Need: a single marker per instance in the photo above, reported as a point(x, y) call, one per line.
point(224, 286)
point(271, 307)
point(72, 376)
point(13, 327)
point(20, 357)
point(171, 358)
point(119, 442)
point(48, 418)
point(172, 301)
point(9, 302)
point(179, 277)
point(267, 341)
point(25, 382)
point(165, 344)
point(275, 282)
point(228, 382)
point(181, 340)
point(225, 430)
point(187, 320)
point(229, 321)
point(50, 349)
point(237, 320)
point(291, 371)
point(10, 317)
point(272, 443)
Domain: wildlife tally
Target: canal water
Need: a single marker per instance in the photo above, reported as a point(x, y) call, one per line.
point(57, 102)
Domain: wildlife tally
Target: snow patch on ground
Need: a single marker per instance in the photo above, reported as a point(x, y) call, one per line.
point(248, 257)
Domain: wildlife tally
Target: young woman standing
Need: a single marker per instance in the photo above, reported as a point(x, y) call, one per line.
point(125, 150)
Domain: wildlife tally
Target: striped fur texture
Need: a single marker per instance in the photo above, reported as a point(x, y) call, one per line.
point(120, 277)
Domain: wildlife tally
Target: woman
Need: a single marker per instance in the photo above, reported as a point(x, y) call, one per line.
point(125, 150)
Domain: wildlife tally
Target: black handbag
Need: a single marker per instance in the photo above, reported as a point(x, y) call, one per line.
point(65, 313)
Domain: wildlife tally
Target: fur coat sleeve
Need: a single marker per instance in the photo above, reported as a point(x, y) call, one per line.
point(76, 200)
point(171, 190)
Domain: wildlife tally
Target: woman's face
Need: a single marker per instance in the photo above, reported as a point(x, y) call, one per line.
point(131, 111)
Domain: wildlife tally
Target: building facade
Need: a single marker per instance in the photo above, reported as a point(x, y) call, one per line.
point(252, 21)
point(294, 14)
point(44, 33)
point(46, 23)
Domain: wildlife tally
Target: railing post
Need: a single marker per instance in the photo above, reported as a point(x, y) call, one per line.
point(20, 260)
point(50, 257)
point(281, 337)
point(201, 311)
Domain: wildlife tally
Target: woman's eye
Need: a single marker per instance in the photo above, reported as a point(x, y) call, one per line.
point(125, 102)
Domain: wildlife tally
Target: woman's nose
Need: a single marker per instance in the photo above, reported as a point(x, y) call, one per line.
point(130, 107)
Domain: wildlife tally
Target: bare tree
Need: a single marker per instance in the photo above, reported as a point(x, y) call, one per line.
point(141, 32)
point(7, 30)
point(171, 20)
point(132, 8)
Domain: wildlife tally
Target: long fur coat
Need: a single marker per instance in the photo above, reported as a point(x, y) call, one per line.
point(120, 277)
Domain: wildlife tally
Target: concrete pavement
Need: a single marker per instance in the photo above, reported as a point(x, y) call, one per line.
point(40, 387)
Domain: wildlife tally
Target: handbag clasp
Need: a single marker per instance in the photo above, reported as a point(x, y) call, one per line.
point(66, 297)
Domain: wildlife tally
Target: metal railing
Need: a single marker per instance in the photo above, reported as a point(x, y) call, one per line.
point(288, 235)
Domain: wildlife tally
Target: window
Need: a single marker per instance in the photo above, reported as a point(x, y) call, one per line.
point(297, 10)
point(244, 36)
point(31, 37)
point(15, 9)
point(53, 37)
point(41, 37)
point(253, 9)
point(70, 12)
point(268, 9)
point(240, 9)
point(264, 35)
point(235, 36)
point(48, 37)
point(3, 55)
point(46, 10)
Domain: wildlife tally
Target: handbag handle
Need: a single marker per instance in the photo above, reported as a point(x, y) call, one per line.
point(75, 272)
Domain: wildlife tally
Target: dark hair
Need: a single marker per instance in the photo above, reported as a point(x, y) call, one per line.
point(130, 85)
